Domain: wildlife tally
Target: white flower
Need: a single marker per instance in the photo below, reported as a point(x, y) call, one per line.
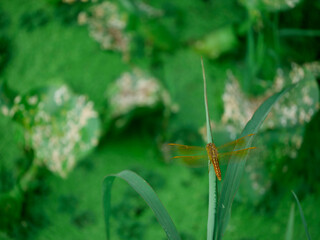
point(133, 90)
point(5, 110)
point(61, 95)
point(57, 139)
point(33, 100)
point(17, 99)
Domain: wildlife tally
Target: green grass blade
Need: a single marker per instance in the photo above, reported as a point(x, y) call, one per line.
point(148, 195)
point(235, 170)
point(302, 216)
point(299, 32)
point(212, 177)
point(250, 60)
point(290, 226)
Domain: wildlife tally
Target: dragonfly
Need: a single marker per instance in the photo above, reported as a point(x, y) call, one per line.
point(196, 156)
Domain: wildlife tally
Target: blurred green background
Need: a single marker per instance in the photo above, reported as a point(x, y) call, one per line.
point(90, 88)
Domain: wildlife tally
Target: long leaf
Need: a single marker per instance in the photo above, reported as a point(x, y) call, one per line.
point(211, 225)
point(235, 170)
point(302, 216)
point(299, 32)
point(290, 226)
point(148, 195)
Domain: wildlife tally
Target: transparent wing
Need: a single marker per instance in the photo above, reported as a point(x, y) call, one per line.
point(239, 143)
point(194, 161)
point(199, 159)
point(187, 150)
point(224, 158)
point(225, 152)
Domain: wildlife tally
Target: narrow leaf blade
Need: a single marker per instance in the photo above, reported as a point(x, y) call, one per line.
point(290, 226)
point(148, 195)
point(212, 207)
point(302, 216)
point(235, 169)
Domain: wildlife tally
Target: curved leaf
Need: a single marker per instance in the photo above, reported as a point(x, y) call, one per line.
point(235, 170)
point(148, 195)
point(302, 216)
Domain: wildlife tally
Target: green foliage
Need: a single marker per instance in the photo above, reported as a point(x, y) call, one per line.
point(5, 41)
point(216, 43)
point(60, 127)
point(68, 13)
point(107, 25)
point(213, 190)
point(302, 216)
point(235, 170)
point(147, 193)
point(229, 189)
point(7, 96)
point(307, 158)
point(268, 5)
point(282, 133)
point(33, 20)
point(5, 51)
point(129, 27)
point(290, 225)
point(297, 32)
point(43, 43)
point(130, 213)
point(134, 95)
point(11, 208)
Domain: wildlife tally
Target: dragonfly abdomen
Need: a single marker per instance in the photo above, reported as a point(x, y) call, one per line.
point(213, 156)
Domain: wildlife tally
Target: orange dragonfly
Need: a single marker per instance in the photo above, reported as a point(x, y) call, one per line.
point(196, 156)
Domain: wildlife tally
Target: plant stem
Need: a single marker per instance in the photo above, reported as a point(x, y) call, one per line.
point(24, 183)
point(276, 40)
point(28, 177)
point(212, 177)
point(250, 59)
point(213, 187)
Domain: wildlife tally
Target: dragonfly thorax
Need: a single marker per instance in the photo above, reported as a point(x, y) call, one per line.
point(212, 150)
point(213, 156)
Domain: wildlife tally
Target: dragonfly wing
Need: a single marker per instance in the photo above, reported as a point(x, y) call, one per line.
point(225, 158)
point(239, 143)
point(194, 161)
point(187, 150)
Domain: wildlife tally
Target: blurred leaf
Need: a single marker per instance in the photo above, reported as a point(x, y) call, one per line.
point(280, 5)
point(34, 19)
point(217, 42)
point(10, 208)
point(60, 126)
point(269, 5)
point(4, 236)
point(158, 35)
point(7, 96)
point(290, 226)
point(148, 195)
point(299, 32)
point(302, 216)
point(5, 50)
point(141, 8)
point(235, 170)
point(211, 226)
